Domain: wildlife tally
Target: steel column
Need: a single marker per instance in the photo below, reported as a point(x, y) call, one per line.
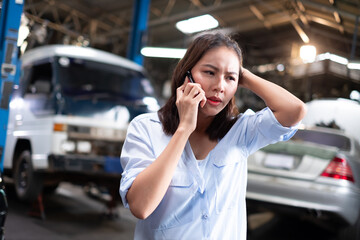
point(353, 46)
point(138, 31)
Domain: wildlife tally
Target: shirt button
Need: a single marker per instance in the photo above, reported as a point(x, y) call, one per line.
point(205, 216)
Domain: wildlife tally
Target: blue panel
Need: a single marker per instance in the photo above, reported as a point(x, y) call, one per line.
point(112, 165)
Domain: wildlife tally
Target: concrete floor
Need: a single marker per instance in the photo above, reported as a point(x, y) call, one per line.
point(71, 215)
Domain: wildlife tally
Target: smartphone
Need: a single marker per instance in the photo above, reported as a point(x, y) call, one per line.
point(188, 74)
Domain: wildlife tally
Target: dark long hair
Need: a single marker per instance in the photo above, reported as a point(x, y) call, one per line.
point(224, 120)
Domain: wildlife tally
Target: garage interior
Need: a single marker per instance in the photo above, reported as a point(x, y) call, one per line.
point(270, 33)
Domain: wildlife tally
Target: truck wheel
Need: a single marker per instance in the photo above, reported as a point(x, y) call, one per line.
point(28, 184)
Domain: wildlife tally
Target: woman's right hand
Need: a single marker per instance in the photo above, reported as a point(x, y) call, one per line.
point(189, 97)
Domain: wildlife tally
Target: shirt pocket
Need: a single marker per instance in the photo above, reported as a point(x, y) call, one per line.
point(230, 179)
point(176, 208)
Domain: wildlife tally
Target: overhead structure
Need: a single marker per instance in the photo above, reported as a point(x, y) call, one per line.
point(270, 32)
point(107, 24)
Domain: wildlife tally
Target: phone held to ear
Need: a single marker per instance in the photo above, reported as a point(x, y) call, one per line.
point(188, 74)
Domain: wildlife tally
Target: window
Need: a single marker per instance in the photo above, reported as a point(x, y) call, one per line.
point(324, 138)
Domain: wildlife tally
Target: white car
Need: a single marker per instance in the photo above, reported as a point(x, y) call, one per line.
point(315, 174)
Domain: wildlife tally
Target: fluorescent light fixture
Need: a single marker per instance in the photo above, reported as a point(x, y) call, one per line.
point(197, 24)
point(332, 57)
point(339, 59)
point(354, 65)
point(323, 56)
point(308, 53)
point(163, 52)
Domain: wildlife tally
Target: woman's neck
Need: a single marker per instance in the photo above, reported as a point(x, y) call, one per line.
point(200, 142)
point(203, 122)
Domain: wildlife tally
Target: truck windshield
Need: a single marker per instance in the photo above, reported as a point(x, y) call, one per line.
point(89, 87)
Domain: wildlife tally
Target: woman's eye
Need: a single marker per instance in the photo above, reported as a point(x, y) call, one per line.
point(209, 72)
point(231, 78)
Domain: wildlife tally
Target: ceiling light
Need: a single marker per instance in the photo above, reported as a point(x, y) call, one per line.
point(334, 58)
point(339, 59)
point(280, 67)
point(354, 65)
point(308, 53)
point(197, 24)
point(163, 52)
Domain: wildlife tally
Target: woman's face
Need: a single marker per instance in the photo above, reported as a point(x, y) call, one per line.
point(218, 74)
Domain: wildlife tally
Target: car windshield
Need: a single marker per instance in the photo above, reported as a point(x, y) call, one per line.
point(323, 138)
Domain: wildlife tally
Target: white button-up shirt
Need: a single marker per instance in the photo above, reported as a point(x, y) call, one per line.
point(205, 200)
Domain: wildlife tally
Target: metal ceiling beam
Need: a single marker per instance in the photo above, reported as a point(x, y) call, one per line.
point(323, 21)
point(260, 16)
point(169, 7)
point(300, 11)
point(57, 27)
point(300, 31)
point(330, 9)
point(293, 21)
point(209, 9)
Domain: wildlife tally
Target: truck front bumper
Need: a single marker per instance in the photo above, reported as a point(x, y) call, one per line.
point(85, 164)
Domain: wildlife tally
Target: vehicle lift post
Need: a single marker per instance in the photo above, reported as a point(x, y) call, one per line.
point(138, 34)
point(11, 11)
point(9, 28)
point(9, 79)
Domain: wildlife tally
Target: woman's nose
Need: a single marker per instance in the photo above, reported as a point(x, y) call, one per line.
point(219, 84)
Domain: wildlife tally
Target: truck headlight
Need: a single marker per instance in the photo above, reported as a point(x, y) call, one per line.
point(83, 146)
point(68, 146)
point(151, 103)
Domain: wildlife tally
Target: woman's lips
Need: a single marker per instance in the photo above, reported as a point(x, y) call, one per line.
point(214, 101)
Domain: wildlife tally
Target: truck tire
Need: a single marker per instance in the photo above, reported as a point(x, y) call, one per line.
point(28, 184)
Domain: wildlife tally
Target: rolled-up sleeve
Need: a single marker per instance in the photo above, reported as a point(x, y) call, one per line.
point(263, 129)
point(136, 155)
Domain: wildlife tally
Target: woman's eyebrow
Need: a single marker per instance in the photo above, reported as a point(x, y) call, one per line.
point(211, 66)
point(217, 69)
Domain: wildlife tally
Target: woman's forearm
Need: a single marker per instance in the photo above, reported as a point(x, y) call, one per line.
point(287, 108)
point(150, 186)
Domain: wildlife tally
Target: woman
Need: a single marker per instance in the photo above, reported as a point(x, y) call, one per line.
point(185, 168)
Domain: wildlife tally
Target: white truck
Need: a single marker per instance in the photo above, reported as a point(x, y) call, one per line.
point(68, 117)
